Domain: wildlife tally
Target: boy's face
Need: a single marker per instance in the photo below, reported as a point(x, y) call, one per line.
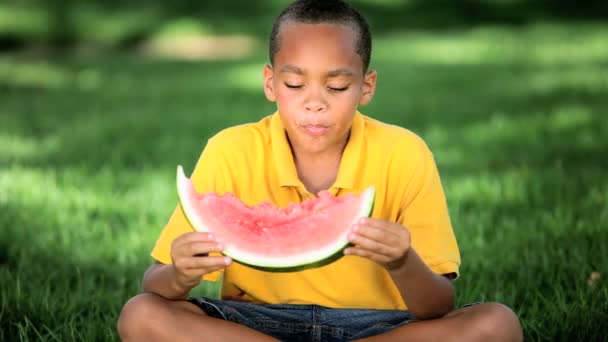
point(317, 82)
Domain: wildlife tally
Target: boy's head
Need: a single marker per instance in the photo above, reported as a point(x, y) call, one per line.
point(335, 12)
point(318, 75)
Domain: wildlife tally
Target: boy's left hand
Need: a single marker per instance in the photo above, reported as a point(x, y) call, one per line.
point(382, 241)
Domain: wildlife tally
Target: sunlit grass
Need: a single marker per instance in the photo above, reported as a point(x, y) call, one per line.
point(544, 44)
point(247, 77)
point(96, 24)
point(29, 22)
point(37, 74)
point(45, 75)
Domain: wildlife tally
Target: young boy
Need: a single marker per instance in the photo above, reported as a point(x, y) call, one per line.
point(394, 284)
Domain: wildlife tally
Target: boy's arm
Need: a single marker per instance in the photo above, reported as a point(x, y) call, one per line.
point(191, 260)
point(421, 240)
point(181, 253)
point(427, 294)
point(160, 279)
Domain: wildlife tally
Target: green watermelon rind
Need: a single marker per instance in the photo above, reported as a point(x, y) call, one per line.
point(284, 264)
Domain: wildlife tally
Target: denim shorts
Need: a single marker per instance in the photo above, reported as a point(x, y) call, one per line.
point(288, 322)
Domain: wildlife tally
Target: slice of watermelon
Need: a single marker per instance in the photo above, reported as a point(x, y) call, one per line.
point(308, 234)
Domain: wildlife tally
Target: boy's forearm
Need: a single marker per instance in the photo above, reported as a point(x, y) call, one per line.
point(160, 279)
point(426, 294)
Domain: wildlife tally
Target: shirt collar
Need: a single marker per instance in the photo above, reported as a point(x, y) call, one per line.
point(283, 158)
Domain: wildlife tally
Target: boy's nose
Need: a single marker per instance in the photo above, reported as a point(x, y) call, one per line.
point(315, 101)
point(315, 106)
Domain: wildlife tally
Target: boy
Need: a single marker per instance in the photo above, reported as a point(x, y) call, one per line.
point(394, 284)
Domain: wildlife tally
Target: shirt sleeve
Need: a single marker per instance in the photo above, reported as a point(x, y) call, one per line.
point(425, 214)
point(208, 175)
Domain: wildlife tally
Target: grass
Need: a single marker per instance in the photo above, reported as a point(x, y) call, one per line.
point(515, 117)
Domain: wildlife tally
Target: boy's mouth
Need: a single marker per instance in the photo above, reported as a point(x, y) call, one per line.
point(315, 130)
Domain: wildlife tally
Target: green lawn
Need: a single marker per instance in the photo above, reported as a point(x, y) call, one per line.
point(516, 117)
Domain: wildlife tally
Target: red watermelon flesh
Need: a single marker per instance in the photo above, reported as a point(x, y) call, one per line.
point(270, 237)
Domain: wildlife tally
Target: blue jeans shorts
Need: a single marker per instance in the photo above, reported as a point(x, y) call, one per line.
point(288, 322)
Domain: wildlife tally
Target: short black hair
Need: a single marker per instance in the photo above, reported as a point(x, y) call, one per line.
point(324, 11)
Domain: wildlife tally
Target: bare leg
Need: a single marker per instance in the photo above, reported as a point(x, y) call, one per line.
point(481, 322)
point(149, 317)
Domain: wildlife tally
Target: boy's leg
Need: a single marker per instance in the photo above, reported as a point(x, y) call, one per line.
point(481, 322)
point(149, 317)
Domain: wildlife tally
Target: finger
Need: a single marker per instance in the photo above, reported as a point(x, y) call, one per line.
point(193, 237)
point(386, 225)
point(206, 262)
point(200, 272)
point(373, 246)
point(200, 248)
point(381, 235)
point(379, 258)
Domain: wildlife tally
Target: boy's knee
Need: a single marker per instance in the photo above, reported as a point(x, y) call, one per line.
point(135, 318)
point(498, 322)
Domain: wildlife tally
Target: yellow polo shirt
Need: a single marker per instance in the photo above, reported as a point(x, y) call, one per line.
point(254, 161)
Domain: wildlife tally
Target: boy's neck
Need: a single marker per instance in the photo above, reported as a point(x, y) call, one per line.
point(318, 171)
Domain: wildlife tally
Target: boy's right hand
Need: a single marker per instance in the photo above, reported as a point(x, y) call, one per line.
point(191, 260)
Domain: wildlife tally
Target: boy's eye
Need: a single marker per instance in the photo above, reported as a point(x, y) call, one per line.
point(338, 88)
point(293, 86)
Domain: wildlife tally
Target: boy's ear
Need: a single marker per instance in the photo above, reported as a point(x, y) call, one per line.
point(369, 87)
point(268, 83)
